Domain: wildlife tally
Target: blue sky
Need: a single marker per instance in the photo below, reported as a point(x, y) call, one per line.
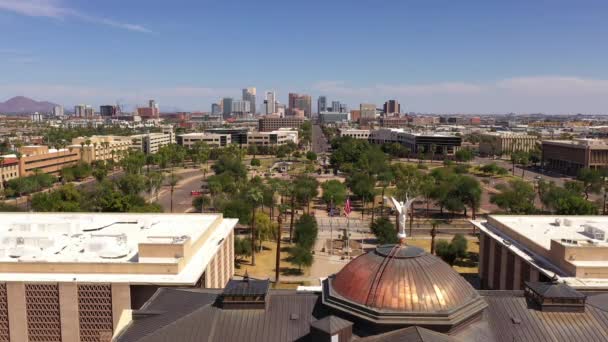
point(472, 56)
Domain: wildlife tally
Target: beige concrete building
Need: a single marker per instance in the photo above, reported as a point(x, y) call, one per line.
point(9, 169)
point(280, 137)
point(362, 134)
point(569, 156)
point(569, 249)
point(46, 160)
point(211, 139)
point(102, 147)
point(500, 144)
point(150, 143)
point(271, 123)
point(70, 277)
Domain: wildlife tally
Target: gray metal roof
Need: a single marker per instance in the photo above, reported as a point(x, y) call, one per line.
point(410, 334)
point(331, 324)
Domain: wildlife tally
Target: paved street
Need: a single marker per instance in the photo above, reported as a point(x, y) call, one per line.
point(319, 140)
point(182, 200)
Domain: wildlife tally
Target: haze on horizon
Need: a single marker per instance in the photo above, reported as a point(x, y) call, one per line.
point(437, 56)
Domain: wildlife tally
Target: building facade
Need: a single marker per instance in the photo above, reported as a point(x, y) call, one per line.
point(272, 123)
point(321, 104)
point(98, 147)
point(300, 102)
point(501, 144)
point(274, 138)
point(70, 277)
point(392, 107)
point(444, 144)
point(46, 160)
point(568, 249)
point(9, 169)
point(569, 156)
point(270, 102)
point(361, 134)
point(211, 139)
point(249, 95)
point(108, 111)
point(332, 117)
point(368, 111)
point(150, 143)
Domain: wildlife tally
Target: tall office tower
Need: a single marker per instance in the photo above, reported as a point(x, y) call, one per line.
point(343, 108)
point(107, 111)
point(270, 102)
point(226, 107)
point(301, 102)
point(249, 94)
point(88, 112)
point(368, 110)
point(392, 107)
point(152, 104)
point(216, 109)
point(240, 108)
point(335, 106)
point(321, 104)
point(58, 111)
point(79, 110)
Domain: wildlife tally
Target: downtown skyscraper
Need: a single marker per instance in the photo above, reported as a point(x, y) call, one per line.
point(270, 102)
point(249, 95)
point(300, 103)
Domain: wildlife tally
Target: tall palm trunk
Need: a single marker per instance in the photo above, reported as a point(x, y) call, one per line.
point(382, 205)
point(293, 205)
point(253, 237)
point(277, 271)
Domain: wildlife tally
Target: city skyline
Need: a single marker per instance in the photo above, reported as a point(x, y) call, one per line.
point(472, 57)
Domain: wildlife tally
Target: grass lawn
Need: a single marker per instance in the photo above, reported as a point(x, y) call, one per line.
point(265, 264)
point(467, 265)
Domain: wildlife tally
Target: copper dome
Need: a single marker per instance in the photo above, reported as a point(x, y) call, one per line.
point(402, 281)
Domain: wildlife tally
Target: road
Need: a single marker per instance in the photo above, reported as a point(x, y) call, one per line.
point(319, 140)
point(182, 200)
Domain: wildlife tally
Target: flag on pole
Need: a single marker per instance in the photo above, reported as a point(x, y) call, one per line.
point(347, 208)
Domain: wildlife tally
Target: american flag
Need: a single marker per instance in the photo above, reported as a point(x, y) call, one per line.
point(347, 208)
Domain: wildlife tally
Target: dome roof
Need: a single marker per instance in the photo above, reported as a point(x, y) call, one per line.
point(402, 284)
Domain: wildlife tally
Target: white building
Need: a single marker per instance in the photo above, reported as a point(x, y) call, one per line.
point(58, 111)
point(280, 137)
point(211, 139)
point(150, 143)
point(362, 134)
point(72, 277)
point(270, 102)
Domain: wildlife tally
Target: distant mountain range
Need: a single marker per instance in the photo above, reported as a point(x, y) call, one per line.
point(24, 105)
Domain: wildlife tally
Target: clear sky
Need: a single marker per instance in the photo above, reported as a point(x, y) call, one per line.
point(432, 55)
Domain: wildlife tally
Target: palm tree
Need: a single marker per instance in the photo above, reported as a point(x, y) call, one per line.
point(172, 181)
point(278, 251)
point(255, 196)
point(433, 150)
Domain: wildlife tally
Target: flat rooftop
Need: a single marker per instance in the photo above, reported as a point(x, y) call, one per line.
point(543, 229)
point(108, 247)
point(531, 238)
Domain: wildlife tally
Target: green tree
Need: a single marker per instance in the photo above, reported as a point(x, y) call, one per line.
point(311, 156)
point(334, 192)
point(306, 231)
point(592, 181)
point(464, 155)
point(301, 257)
point(255, 197)
point(242, 247)
point(172, 181)
point(522, 159)
point(305, 189)
point(200, 202)
point(515, 198)
point(384, 230)
point(255, 162)
point(451, 251)
point(265, 228)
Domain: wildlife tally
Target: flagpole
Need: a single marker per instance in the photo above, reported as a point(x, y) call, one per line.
point(348, 237)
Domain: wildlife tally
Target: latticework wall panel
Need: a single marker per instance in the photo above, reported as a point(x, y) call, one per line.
point(95, 312)
point(43, 315)
point(4, 332)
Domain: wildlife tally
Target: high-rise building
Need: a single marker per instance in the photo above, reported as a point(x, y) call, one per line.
point(301, 102)
point(335, 106)
point(83, 111)
point(107, 111)
point(241, 108)
point(392, 107)
point(343, 108)
point(270, 102)
point(249, 95)
point(216, 109)
point(226, 107)
point(321, 104)
point(58, 111)
point(368, 110)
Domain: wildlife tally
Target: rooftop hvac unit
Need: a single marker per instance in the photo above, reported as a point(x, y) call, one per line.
point(595, 232)
point(567, 222)
point(558, 222)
